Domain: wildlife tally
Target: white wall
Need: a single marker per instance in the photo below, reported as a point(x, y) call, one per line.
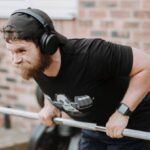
point(56, 9)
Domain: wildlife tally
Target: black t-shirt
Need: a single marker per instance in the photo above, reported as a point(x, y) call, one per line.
point(92, 67)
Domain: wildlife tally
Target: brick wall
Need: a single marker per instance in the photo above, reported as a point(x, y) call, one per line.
point(121, 21)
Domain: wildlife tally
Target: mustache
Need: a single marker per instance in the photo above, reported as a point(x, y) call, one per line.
point(18, 65)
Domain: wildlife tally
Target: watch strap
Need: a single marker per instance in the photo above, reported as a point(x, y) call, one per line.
point(124, 109)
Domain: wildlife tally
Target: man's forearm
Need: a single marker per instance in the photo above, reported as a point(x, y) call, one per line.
point(138, 88)
point(47, 103)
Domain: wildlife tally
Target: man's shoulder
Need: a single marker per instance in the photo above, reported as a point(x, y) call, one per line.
point(80, 45)
point(84, 41)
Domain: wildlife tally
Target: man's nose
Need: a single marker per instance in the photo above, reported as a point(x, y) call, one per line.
point(16, 59)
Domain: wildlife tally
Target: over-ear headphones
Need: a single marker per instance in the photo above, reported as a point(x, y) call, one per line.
point(49, 41)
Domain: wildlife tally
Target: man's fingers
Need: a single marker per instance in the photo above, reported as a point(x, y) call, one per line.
point(109, 130)
point(113, 132)
point(47, 118)
point(117, 133)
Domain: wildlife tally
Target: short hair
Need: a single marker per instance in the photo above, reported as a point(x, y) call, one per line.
point(23, 27)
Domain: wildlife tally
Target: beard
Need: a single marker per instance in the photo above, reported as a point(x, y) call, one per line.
point(27, 70)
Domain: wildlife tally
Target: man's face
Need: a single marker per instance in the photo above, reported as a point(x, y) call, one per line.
point(27, 58)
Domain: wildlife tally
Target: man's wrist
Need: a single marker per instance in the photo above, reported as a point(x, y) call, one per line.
point(124, 109)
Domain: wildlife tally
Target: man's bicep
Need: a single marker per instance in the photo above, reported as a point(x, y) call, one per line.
point(141, 61)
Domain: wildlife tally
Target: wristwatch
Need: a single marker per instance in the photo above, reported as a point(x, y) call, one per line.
point(124, 109)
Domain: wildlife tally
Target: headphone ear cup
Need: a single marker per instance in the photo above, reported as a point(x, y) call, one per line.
point(49, 43)
point(42, 42)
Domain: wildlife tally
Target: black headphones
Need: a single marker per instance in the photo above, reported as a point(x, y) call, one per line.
point(49, 41)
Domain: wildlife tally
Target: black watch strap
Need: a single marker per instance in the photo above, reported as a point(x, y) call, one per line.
point(124, 109)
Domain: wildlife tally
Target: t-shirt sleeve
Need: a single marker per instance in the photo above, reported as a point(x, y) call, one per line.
point(108, 60)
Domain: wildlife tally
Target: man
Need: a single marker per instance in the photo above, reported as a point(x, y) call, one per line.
point(90, 79)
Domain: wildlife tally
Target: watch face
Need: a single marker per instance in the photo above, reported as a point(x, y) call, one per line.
point(123, 108)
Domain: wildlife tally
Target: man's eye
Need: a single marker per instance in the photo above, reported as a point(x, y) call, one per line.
point(21, 51)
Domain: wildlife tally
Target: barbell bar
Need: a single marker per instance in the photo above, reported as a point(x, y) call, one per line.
point(78, 124)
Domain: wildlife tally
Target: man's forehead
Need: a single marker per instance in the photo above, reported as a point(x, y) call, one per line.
point(11, 45)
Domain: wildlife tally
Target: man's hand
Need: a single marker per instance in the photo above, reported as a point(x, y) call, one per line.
point(116, 124)
point(48, 113)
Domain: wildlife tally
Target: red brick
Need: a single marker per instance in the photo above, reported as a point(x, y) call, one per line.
point(129, 4)
point(98, 33)
point(144, 36)
point(131, 25)
point(83, 32)
point(146, 4)
point(120, 14)
point(69, 28)
point(142, 14)
point(84, 13)
point(85, 23)
point(108, 3)
point(133, 44)
point(146, 25)
point(107, 24)
point(96, 13)
point(146, 47)
point(11, 96)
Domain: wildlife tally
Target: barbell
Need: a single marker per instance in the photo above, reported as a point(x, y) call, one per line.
point(78, 124)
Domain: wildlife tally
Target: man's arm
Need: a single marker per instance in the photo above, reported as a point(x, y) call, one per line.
point(139, 86)
point(49, 112)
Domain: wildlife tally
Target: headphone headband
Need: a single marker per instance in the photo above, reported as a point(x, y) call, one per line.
point(34, 15)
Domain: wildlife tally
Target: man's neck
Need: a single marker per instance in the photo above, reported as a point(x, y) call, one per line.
point(54, 67)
